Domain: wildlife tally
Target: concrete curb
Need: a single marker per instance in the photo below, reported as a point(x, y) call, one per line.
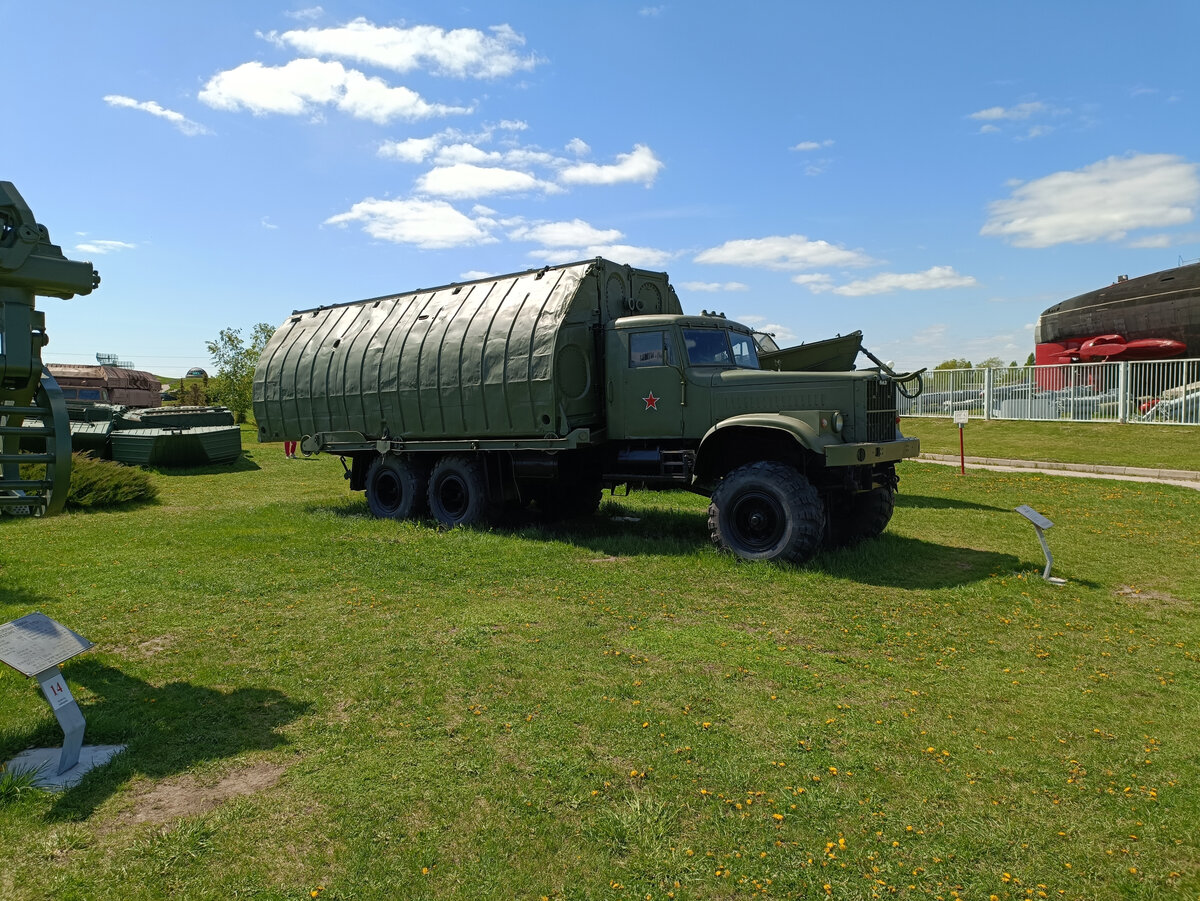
point(1172, 475)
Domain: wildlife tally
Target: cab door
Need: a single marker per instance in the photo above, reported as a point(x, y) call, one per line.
point(645, 391)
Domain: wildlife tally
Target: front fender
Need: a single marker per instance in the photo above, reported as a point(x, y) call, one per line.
point(804, 427)
point(750, 437)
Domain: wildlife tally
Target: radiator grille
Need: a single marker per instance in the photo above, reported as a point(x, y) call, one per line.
point(881, 410)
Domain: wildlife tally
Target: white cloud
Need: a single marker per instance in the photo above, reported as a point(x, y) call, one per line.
point(462, 53)
point(410, 150)
point(783, 252)
point(812, 145)
point(302, 86)
point(1100, 202)
point(474, 275)
point(782, 335)
point(1020, 111)
point(640, 165)
point(179, 120)
point(933, 334)
point(932, 279)
point(641, 257)
point(452, 154)
point(651, 11)
point(1166, 240)
point(565, 234)
point(310, 14)
point(463, 180)
point(578, 147)
point(102, 247)
point(714, 287)
point(431, 224)
point(815, 281)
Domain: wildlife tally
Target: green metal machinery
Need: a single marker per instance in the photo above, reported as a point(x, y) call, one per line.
point(29, 266)
point(544, 387)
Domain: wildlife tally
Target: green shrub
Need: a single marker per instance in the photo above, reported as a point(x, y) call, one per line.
point(105, 483)
point(96, 483)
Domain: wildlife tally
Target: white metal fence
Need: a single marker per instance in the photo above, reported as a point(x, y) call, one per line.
point(1161, 391)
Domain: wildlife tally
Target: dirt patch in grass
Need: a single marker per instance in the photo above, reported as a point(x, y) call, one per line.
point(185, 795)
point(1152, 601)
point(147, 648)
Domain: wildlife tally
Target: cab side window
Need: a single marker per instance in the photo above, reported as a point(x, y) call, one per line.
point(649, 349)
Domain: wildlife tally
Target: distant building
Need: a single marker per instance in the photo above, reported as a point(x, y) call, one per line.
point(107, 385)
point(196, 373)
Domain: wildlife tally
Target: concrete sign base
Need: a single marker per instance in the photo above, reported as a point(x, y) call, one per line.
point(45, 762)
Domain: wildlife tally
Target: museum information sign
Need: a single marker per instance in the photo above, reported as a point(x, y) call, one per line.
point(34, 643)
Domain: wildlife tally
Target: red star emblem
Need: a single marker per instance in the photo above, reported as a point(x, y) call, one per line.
point(651, 401)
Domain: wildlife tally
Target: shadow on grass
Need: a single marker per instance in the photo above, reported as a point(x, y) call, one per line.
point(895, 561)
point(616, 531)
point(242, 464)
point(943, 503)
point(167, 729)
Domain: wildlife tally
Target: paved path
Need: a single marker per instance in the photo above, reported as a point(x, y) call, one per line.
point(1185, 477)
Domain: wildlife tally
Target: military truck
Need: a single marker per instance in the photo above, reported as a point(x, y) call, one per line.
point(547, 386)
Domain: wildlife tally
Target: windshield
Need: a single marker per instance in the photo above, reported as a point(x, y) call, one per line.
point(719, 347)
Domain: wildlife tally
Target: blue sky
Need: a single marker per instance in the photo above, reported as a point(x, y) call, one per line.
point(935, 174)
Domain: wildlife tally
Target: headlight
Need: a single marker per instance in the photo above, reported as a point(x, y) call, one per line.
point(838, 422)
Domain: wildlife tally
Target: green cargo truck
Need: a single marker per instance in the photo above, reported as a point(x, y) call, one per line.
point(545, 387)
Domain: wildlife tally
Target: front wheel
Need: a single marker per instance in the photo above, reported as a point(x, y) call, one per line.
point(767, 511)
point(458, 494)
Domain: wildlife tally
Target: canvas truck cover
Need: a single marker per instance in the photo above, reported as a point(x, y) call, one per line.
point(512, 356)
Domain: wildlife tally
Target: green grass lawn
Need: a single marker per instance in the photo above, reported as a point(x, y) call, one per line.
point(1106, 443)
point(319, 704)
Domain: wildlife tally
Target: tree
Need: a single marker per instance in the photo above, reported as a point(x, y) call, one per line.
point(991, 363)
point(953, 364)
point(235, 361)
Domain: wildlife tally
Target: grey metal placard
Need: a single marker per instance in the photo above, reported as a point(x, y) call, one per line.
point(34, 643)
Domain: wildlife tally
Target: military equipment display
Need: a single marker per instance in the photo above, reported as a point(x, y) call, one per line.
point(543, 387)
point(107, 384)
point(116, 413)
point(29, 266)
point(154, 436)
point(1150, 317)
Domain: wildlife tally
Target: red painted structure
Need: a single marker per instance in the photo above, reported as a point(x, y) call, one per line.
point(1151, 317)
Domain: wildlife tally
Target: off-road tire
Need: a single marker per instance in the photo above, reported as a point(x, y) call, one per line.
point(396, 488)
point(458, 493)
point(767, 511)
point(856, 518)
point(860, 516)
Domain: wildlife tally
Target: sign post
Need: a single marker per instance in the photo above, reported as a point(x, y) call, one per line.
point(1040, 525)
point(960, 420)
point(35, 645)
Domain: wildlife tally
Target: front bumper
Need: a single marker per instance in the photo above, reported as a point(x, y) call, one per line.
point(871, 452)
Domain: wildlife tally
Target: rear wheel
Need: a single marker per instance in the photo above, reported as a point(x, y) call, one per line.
point(396, 488)
point(767, 511)
point(458, 494)
point(860, 517)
